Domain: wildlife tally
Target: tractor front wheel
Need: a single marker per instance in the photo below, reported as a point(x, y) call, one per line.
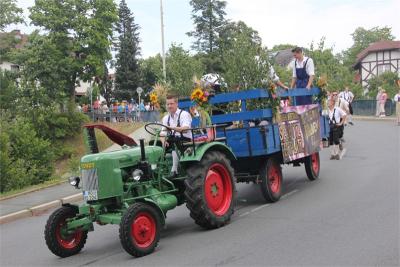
point(312, 165)
point(139, 230)
point(271, 180)
point(60, 242)
point(210, 190)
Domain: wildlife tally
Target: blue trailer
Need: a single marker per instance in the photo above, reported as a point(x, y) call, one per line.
point(258, 149)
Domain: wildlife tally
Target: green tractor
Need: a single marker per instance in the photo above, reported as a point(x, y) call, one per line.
point(131, 187)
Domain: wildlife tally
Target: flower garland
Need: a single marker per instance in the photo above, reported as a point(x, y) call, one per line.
point(322, 97)
point(274, 101)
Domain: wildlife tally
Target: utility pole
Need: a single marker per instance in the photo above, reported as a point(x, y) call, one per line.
point(162, 41)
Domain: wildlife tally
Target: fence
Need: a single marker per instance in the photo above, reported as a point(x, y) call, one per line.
point(145, 116)
point(368, 107)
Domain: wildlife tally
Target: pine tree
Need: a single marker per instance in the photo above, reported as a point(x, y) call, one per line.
point(208, 17)
point(127, 76)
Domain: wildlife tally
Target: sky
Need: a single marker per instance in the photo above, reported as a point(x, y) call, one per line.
point(277, 21)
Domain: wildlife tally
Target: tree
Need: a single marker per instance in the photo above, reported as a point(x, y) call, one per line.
point(208, 17)
point(151, 71)
point(362, 38)
point(245, 61)
point(181, 68)
point(127, 77)
point(282, 47)
point(387, 81)
point(9, 13)
point(331, 66)
point(79, 35)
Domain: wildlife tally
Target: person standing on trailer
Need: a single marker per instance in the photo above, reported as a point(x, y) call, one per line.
point(303, 75)
point(348, 96)
point(336, 119)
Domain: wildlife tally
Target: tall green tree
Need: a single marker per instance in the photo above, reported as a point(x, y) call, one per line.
point(181, 68)
point(208, 17)
point(362, 38)
point(245, 60)
point(127, 77)
point(79, 34)
point(10, 13)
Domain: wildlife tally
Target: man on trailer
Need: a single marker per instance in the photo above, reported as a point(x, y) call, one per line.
point(303, 75)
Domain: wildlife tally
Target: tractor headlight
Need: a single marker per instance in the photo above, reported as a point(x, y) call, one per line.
point(74, 181)
point(137, 174)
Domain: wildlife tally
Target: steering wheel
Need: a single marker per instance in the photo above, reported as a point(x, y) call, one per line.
point(154, 128)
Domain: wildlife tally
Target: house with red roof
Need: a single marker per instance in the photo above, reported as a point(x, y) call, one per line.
point(376, 59)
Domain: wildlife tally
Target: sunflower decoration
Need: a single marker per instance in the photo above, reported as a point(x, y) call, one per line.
point(199, 96)
point(154, 100)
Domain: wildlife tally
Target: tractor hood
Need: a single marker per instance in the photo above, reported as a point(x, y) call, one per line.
point(125, 157)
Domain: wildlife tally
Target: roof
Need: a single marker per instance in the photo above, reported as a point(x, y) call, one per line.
point(377, 46)
point(283, 57)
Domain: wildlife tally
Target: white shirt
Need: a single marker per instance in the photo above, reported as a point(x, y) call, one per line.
point(338, 112)
point(348, 96)
point(397, 98)
point(299, 64)
point(185, 121)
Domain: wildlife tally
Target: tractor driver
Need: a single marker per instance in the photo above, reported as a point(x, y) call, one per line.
point(179, 121)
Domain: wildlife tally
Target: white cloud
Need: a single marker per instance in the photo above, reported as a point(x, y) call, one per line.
point(301, 22)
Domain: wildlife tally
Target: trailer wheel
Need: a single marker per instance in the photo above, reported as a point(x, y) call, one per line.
point(139, 231)
point(58, 241)
point(271, 180)
point(210, 191)
point(312, 165)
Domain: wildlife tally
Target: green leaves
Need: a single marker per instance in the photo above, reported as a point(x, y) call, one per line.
point(9, 13)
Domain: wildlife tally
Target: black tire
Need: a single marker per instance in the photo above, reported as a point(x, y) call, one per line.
point(312, 166)
point(61, 245)
point(213, 164)
point(271, 180)
point(148, 220)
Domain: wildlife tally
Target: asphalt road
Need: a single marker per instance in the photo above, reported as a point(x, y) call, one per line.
point(350, 216)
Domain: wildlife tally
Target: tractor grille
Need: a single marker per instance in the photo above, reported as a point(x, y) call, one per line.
point(90, 184)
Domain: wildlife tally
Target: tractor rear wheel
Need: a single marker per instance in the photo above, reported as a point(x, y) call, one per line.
point(210, 191)
point(139, 231)
point(57, 239)
point(312, 165)
point(271, 180)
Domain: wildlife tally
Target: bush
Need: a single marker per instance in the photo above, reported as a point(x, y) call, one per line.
point(26, 159)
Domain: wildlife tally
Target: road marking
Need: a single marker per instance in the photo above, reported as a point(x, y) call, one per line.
point(290, 193)
point(260, 207)
point(244, 214)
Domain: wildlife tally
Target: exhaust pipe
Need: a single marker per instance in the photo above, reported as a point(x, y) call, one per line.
point(142, 153)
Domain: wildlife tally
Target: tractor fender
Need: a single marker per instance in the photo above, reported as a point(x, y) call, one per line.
point(69, 205)
point(152, 203)
point(203, 149)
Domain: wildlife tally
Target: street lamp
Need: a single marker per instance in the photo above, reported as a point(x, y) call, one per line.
point(139, 91)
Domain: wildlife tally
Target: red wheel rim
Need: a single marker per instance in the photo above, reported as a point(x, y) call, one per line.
point(67, 241)
point(143, 229)
point(274, 178)
point(218, 189)
point(315, 162)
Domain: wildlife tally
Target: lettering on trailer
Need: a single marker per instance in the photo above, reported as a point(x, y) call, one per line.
point(299, 131)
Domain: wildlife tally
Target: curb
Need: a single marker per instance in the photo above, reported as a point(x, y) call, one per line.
point(40, 209)
point(366, 118)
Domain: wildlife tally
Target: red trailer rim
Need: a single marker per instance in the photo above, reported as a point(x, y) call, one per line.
point(218, 189)
point(143, 229)
point(274, 178)
point(315, 162)
point(67, 241)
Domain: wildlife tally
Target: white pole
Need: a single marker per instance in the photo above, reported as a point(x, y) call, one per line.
point(139, 107)
point(162, 41)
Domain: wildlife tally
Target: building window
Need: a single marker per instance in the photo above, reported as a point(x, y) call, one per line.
point(383, 68)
